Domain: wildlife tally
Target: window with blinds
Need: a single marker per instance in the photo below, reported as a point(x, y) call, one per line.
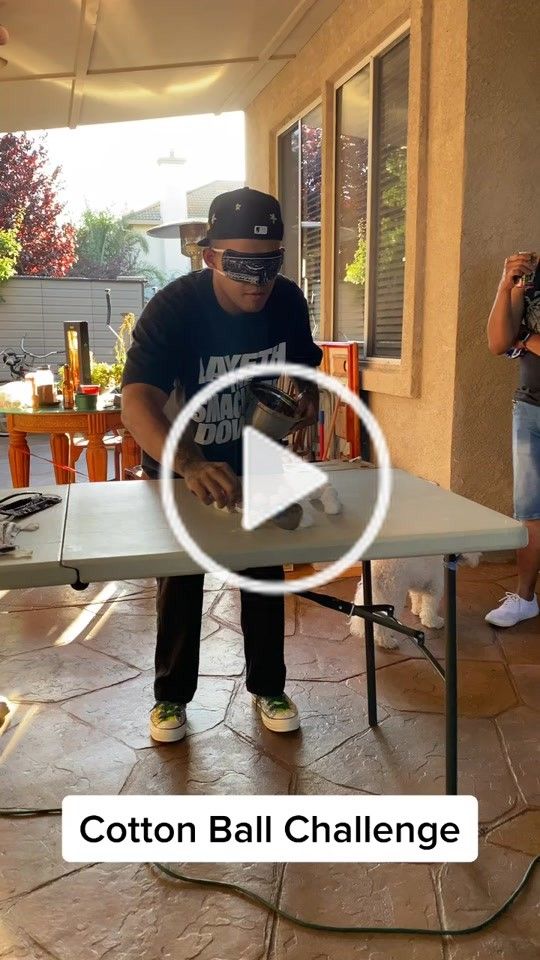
point(390, 160)
point(371, 175)
point(351, 207)
point(300, 158)
point(289, 160)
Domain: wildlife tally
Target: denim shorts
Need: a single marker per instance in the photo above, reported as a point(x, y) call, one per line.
point(526, 457)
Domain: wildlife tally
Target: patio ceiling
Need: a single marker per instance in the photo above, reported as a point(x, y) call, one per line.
point(74, 62)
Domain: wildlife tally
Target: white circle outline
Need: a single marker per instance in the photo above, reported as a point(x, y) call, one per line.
point(336, 567)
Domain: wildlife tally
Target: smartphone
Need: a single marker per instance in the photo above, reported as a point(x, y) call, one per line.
point(528, 278)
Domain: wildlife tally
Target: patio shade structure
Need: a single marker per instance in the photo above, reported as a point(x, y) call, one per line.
point(102, 61)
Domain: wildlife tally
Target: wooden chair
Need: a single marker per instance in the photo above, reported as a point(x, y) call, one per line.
point(341, 360)
point(112, 441)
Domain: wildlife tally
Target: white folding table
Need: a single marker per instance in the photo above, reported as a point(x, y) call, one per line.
point(105, 531)
point(44, 568)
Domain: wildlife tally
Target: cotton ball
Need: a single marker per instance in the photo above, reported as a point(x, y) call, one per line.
point(308, 516)
point(330, 500)
point(226, 509)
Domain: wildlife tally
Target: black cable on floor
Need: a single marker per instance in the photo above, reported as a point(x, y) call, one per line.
point(227, 886)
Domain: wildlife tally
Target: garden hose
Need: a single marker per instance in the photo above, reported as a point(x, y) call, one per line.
point(247, 894)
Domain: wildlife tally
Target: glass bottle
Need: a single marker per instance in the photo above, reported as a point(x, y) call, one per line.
point(68, 393)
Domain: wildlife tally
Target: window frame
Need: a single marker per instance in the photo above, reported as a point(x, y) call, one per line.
point(296, 121)
point(371, 60)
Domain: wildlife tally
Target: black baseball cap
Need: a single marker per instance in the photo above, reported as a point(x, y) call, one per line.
point(243, 214)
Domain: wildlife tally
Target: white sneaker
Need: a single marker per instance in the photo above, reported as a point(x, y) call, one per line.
point(513, 609)
point(278, 714)
point(168, 722)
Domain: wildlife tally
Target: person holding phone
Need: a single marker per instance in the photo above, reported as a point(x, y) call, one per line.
point(514, 330)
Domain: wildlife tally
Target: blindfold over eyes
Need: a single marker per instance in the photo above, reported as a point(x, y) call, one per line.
point(256, 268)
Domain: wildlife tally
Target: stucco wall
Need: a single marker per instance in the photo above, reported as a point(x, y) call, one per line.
point(448, 418)
point(500, 215)
point(419, 429)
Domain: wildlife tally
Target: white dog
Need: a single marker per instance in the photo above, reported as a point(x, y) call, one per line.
point(393, 580)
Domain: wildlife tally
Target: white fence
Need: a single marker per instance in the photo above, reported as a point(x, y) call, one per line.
point(36, 307)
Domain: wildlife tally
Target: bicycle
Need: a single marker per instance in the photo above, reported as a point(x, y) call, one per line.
point(18, 365)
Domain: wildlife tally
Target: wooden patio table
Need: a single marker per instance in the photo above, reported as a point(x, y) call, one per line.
point(61, 426)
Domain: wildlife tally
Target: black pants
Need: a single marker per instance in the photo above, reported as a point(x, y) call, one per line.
point(179, 614)
point(179, 603)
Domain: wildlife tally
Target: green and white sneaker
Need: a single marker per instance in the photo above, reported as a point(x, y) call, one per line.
point(277, 713)
point(168, 722)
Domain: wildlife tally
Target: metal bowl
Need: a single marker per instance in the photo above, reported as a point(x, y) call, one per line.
point(276, 400)
point(271, 410)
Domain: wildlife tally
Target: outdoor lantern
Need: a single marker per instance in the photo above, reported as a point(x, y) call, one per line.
point(188, 232)
point(77, 351)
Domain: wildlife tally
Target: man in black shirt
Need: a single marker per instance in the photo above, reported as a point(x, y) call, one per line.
point(238, 312)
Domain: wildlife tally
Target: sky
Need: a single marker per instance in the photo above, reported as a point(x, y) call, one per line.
point(114, 166)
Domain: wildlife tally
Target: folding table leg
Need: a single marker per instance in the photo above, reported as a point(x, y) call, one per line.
point(450, 566)
point(370, 646)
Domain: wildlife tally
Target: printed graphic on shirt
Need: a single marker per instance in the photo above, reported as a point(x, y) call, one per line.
point(222, 419)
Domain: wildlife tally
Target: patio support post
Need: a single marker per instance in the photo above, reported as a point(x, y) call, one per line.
point(450, 687)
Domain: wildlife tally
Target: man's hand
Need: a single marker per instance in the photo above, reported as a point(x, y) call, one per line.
point(212, 482)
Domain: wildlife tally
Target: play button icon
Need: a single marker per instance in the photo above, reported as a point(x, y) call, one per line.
point(274, 478)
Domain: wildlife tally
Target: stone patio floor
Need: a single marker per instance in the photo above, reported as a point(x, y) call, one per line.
point(79, 668)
